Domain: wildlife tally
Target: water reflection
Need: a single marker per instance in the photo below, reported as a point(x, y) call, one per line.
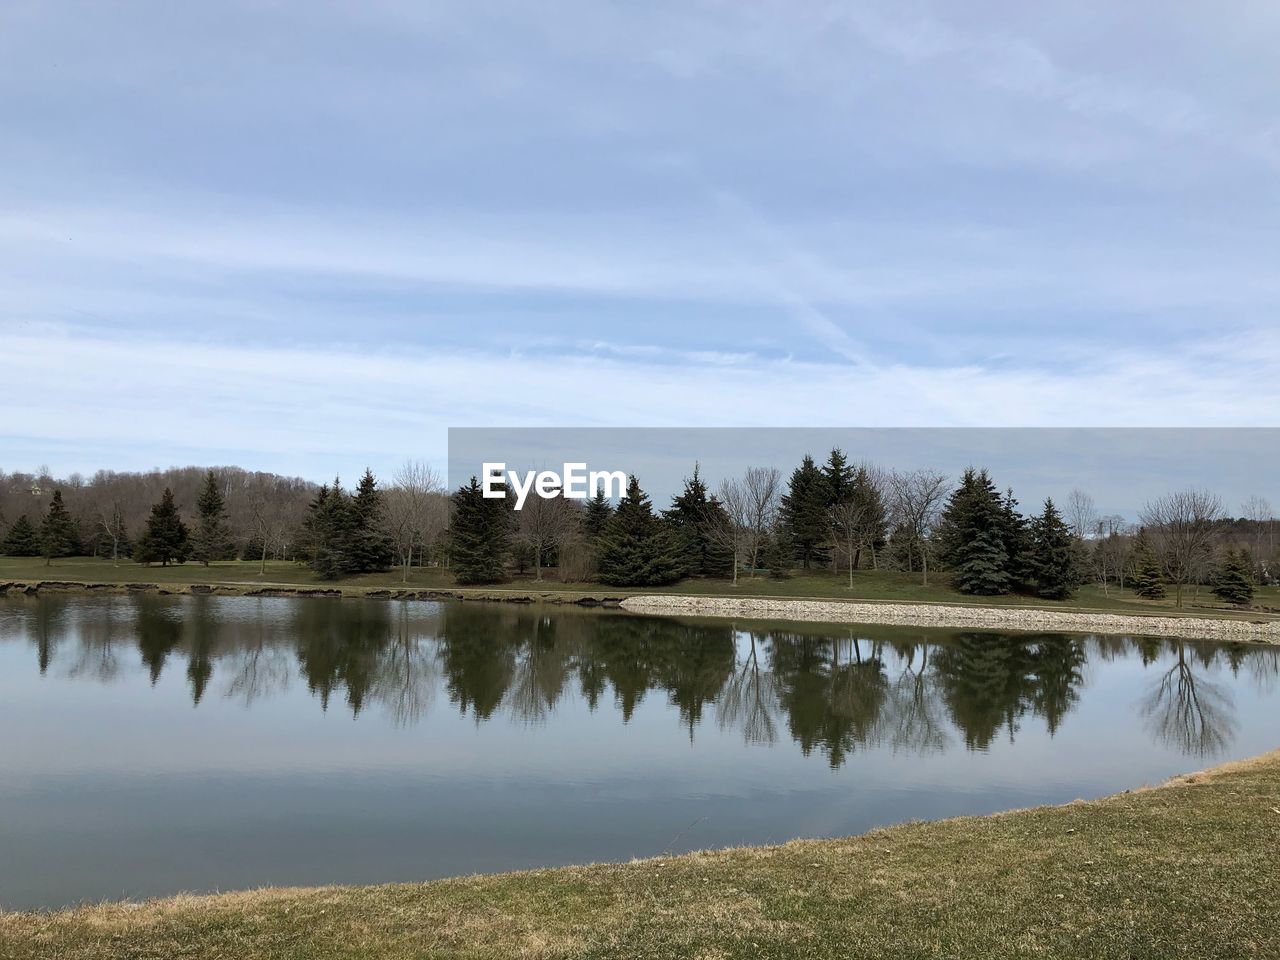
point(908, 691)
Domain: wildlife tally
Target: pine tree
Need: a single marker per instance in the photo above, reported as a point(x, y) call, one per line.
point(773, 555)
point(480, 536)
point(840, 477)
point(212, 537)
point(1148, 580)
point(596, 517)
point(166, 538)
point(253, 548)
point(309, 538)
point(972, 536)
point(329, 532)
point(691, 515)
point(23, 539)
point(371, 548)
point(805, 515)
point(1055, 559)
point(57, 531)
point(1015, 535)
point(1233, 579)
point(637, 548)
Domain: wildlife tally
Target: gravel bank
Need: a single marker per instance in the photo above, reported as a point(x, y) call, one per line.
point(940, 615)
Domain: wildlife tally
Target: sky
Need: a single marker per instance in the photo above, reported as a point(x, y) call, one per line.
point(310, 237)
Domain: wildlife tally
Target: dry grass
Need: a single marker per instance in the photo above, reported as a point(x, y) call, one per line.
point(1188, 870)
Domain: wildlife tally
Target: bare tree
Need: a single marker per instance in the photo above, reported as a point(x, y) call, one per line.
point(763, 488)
point(1112, 550)
point(742, 514)
point(1081, 514)
point(414, 513)
point(917, 497)
point(545, 522)
point(847, 532)
point(1257, 510)
point(1181, 527)
point(110, 495)
point(729, 526)
point(272, 510)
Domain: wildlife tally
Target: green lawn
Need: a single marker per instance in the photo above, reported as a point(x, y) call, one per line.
point(1185, 871)
point(868, 585)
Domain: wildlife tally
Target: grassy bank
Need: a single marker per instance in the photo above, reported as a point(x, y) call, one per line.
point(1186, 870)
point(876, 586)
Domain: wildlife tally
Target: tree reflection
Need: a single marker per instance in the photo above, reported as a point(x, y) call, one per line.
point(339, 645)
point(408, 672)
point(159, 627)
point(905, 691)
point(749, 697)
point(990, 682)
point(832, 694)
point(917, 724)
point(1186, 710)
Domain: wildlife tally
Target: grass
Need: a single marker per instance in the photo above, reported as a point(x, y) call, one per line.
point(889, 586)
point(1186, 870)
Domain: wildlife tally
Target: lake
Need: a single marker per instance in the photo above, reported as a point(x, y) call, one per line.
point(150, 745)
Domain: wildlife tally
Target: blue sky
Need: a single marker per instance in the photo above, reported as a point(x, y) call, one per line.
point(312, 236)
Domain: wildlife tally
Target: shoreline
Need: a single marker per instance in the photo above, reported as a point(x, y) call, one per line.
point(1079, 879)
point(960, 615)
point(31, 588)
point(1025, 619)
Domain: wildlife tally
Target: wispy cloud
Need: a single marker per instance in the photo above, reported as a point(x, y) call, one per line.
point(219, 229)
point(133, 401)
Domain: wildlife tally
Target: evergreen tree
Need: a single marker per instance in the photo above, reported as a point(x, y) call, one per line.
point(1015, 535)
point(252, 548)
point(805, 515)
point(329, 532)
point(371, 548)
point(1148, 581)
point(23, 539)
point(840, 478)
point(637, 548)
point(57, 531)
point(691, 516)
point(596, 517)
point(480, 535)
point(1233, 579)
point(166, 538)
point(773, 555)
point(309, 538)
point(1055, 561)
point(212, 537)
point(972, 536)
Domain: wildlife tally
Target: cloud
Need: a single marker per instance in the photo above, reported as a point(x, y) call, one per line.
point(82, 400)
point(321, 231)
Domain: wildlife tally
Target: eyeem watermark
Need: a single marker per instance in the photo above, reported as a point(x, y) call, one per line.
point(575, 482)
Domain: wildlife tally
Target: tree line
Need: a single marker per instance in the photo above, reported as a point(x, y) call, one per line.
point(836, 515)
point(840, 515)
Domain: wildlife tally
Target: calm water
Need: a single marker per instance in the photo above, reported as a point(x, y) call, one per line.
point(156, 744)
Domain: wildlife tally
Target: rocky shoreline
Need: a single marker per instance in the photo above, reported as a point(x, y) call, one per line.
point(963, 617)
point(36, 587)
point(753, 608)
